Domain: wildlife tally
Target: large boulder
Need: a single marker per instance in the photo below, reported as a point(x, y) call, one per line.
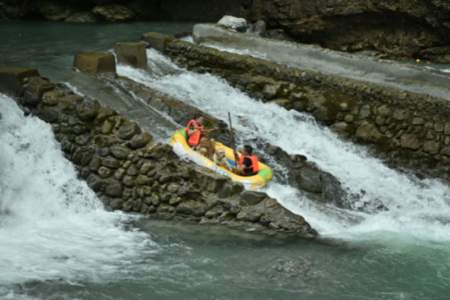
point(12, 79)
point(133, 54)
point(238, 24)
point(113, 13)
point(95, 62)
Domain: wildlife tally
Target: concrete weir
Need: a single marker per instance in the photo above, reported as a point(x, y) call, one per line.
point(409, 130)
point(314, 58)
point(130, 171)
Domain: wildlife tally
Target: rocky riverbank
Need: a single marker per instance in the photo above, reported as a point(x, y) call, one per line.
point(130, 172)
point(406, 129)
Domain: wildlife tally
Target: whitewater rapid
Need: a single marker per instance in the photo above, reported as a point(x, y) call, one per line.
point(418, 209)
point(52, 226)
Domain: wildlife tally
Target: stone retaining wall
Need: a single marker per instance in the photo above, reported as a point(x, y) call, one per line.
point(406, 129)
point(130, 172)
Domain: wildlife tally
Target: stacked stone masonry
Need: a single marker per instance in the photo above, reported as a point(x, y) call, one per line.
point(408, 130)
point(130, 172)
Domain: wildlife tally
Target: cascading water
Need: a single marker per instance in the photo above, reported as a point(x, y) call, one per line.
point(52, 226)
point(56, 242)
point(417, 209)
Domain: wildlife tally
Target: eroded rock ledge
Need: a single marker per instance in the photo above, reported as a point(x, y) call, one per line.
point(419, 28)
point(408, 130)
point(130, 172)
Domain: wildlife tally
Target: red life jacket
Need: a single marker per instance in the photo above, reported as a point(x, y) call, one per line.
point(254, 168)
point(195, 135)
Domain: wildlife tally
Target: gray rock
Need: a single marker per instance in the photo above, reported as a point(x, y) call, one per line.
point(49, 114)
point(191, 207)
point(95, 183)
point(250, 213)
point(146, 168)
point(368, 132)
point(34, 90)
point(132, 170)
point(214, 212)
point(82, 156)
point(140, 140)
point(410, 141)
point(143, 180)
point(104, 113)
point(119, 151)
point(87, 110)
point(116, 203)
point(165, 209)
point(271, 91)
point(447, 129)
point(127, 130)
point(104, 172)
point(129, 181)
point(445, 151)
point(238, 24)
point(309, 179)
point(110, 162)
point(113, 188)
point(431, 147)
point(173, 188)
point(251, 198)
point(119, 173)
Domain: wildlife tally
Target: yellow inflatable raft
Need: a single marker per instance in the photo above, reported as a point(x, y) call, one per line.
point(183, 150)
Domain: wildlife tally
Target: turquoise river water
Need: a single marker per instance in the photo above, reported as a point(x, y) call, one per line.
point(57, 241)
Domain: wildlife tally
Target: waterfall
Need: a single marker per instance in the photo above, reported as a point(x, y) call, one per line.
point(52, 226)
point(415, 208)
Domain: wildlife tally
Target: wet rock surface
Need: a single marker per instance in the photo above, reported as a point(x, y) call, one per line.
point(179, 111)
point(307, 177)
point(148, 178)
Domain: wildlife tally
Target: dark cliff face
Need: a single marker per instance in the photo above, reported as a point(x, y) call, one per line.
point(149, 10)
point(402, 27)
point(411, 28)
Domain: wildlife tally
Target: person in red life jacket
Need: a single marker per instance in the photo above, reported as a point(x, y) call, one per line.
point(195, 131)
point(248, 164)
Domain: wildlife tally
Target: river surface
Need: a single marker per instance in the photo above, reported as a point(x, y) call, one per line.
point(57, 241)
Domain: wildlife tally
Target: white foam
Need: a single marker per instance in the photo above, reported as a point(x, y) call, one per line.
point(417, 208)
point(52, 226)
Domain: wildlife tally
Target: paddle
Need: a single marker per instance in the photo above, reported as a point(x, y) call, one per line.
point(233, 141)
